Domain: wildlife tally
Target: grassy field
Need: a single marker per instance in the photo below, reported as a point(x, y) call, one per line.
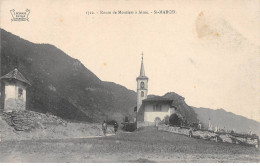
point(148, 145)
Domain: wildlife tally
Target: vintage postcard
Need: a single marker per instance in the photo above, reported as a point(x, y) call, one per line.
point(128, 81)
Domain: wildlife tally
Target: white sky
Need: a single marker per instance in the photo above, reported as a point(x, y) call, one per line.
point(208, 52)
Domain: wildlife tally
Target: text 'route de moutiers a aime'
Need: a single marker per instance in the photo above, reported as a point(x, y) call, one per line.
point(130, 12)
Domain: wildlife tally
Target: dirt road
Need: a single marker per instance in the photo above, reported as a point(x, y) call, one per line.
point(147, 145)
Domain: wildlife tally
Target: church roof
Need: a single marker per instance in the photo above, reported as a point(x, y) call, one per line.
point(140, 77)
point(157, 99)
point(15, 74)
point(142, 72)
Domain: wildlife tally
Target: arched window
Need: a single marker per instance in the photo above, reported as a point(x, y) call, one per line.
point(142, 94)
point(142, 85)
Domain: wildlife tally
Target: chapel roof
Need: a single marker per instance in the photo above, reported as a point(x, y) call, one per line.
point(15, 74)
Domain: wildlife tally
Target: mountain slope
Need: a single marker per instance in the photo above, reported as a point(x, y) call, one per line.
point(230, 121)
point(62, 85)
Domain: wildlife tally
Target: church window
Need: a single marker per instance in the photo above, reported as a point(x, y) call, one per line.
point(142, 94)
point(157, 107)
point(142, 85)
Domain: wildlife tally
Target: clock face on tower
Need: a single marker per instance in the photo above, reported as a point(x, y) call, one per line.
point(142, 85)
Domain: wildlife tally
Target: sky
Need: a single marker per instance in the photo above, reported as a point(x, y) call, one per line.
point(207, 52)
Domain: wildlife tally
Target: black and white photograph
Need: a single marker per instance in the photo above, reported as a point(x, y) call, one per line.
point(129, 81)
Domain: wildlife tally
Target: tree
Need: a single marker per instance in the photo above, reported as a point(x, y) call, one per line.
point(174, 120)
point(166, 119)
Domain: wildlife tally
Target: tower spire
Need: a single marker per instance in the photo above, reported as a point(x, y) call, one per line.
point(142, 85)
point(142, 72)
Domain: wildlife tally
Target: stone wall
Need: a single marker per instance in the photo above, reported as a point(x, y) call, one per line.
point(28, 120)
point(243, 139)
point(145, 124)
point(177, 130)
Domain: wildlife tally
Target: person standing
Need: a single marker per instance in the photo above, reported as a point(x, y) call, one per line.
point(104, 127)
point(115, 127)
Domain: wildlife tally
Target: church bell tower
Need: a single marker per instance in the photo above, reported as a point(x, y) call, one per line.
point(142, 86)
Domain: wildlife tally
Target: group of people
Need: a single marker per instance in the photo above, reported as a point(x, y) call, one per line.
point(104, 127)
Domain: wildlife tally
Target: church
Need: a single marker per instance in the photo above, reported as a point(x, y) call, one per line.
point(148, 110)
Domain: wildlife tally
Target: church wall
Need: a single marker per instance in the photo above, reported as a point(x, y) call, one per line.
point(150, 115)
point(139, 83)
point(140, 90)
point(149, 107)
point(140, 98)
point(140, 114)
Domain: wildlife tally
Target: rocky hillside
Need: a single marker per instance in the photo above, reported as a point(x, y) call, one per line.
point(227, 120)
point(62, 85)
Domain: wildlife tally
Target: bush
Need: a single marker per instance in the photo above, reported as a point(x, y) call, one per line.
point(194, 125)
point(111, 122)
point(166, 119)
point(174, 120)
point(129, 127)
point(126, 119)
point(185, 122)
